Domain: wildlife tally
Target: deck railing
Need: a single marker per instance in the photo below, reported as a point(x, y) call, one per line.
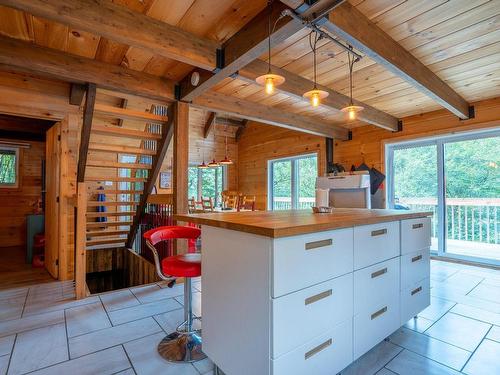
point(285, 203)
point(468, 219)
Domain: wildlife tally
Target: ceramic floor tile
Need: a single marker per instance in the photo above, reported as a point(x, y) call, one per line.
point(485, 360)
point(85, 319)
point(458, 330)
point(47, 306)
point(14, 293)
point(494, 334)
point(420, 324)
point(10, 327)
point(108, 337)
point(4, 364)
point(431, 348)
point(146, 360)
point(486, 292)
point(408, 363)
point(129, 371)
point(6, 344)
point(106, 362)
point(11, 308)
point(204, 366)
point(143, 311)
point(171, 320)
point(119, 299)
point(39, 348)
point(466, 300)
point(437, 309)
point(374, 360)
point(491, 281)
point(385, 371)
point(476, 313)
point(152, 292)
point(196, 303)
point(463, 281)
point(442, 274)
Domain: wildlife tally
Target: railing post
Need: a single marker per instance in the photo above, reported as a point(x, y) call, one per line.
point(80, 239)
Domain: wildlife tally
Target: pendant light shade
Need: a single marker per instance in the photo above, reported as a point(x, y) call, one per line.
point(351, 109)
point(315, 95)
point(269, 80)
point(203, 165)
point(226, 160)
point(213, 164)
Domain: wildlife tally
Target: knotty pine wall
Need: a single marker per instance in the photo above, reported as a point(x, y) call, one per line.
point(261, 143)
point(16, 203)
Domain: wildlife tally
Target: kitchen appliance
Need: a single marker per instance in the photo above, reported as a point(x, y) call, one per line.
point(344, 190)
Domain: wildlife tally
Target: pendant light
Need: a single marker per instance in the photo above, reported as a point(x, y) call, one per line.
point(351, 109)
point(214, 163)
point(226, 160)
point(315, 95)
point(269, 80)
point(203, 165)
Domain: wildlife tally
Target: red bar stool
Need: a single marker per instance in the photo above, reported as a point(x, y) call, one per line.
point(183, 345)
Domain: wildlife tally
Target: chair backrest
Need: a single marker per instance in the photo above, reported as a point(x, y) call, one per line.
point(207, 204)
point(247, 203)
point(230, 198)
point(159, 234)
point(191, 204)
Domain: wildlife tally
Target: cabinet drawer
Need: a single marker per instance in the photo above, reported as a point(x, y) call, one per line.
point(374, 325)
point(302, 261)
point(375, 243)
point(325, 355)
point(299, 317)
point(374, 284)
point(415, 299)
point(415, 234)
point(414, 267)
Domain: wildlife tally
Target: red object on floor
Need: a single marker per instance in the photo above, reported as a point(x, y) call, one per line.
point(185, 265)
point(38, 261)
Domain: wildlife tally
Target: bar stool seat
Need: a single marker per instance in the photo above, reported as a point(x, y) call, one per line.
point(185, 265)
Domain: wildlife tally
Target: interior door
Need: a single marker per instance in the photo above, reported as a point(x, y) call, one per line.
point(52, 204)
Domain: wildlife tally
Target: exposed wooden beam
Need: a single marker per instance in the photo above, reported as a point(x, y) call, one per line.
point(221, 103)
point(295, 85)
point(242, 48)
point(128, 114)
point(167, 134)
point(125, 26)
point(27, 57)
point(240, 131)
point(228, 121)
point(76, 94)
point(88, 114)
point(356, 29)
point(181, 158)
point(209, 125)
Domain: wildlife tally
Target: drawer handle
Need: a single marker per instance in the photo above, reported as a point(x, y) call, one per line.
point(378, 313)
point(379, 232)
point(379, 273)
point(317, 349)
point(415, 291)
point(318, 297)
point(416, 259)
point(419, 225)
point(316, 244)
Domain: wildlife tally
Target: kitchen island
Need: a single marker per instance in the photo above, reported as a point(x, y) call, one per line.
point(293, 292)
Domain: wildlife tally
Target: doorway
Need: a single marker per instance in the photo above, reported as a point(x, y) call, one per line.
point(457, 178)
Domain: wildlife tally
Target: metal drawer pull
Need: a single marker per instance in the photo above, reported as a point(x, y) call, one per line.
point(317, 349)
point(379, 272)
point(416, 226)
point(378, 313)
point(379, 232)
point(316, 244)
point(415, 291)
point(416, 259)
point(318, 297)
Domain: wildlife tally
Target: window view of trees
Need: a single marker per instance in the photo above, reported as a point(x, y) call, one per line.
point(8, 160)
point(206, 183)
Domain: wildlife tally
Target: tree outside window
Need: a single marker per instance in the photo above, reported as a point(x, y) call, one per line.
point(9, 167)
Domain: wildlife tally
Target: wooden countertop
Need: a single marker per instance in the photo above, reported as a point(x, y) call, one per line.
point(290, 223)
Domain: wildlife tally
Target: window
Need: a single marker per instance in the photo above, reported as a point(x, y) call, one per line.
point(206, 183)
point(9, 167)
point(292, 182)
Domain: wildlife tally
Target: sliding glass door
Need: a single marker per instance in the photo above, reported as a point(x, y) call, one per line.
point(458, 179)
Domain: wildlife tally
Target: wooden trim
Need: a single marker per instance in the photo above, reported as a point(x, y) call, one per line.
point(128, 114)
point(181, 158)
point(46, 62)
point(356, 29)
point(80, 241)
point(114, 164)
point(209, 124)
point(167, 134)
point(88, 114)
point(103, 147)
point(258, 112)
point(116, 131)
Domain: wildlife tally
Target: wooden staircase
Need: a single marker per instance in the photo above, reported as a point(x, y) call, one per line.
point(125, 149)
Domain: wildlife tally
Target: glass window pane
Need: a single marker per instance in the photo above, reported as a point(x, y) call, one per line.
point(307, 173)
point(208, 183)
point(193, 183)
point(8, 167)
point(282, 185)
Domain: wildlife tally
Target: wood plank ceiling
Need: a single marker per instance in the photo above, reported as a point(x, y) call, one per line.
point(458, 40)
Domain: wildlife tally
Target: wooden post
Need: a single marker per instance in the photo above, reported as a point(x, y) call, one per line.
point(80, 238)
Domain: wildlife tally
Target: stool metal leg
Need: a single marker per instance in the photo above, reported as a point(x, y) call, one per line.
point(184, 345)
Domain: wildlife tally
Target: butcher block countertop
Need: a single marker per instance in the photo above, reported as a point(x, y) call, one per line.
point(295, 222)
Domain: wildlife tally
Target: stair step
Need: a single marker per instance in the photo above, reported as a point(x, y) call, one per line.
point(108, 214)
point(106, 242)
point(112, 192)
point(117, 131)
point(121, 149)
point(106, 233)
point(94, 225)
point(101, 204)
point(113, 164)
point(116, 179)
point(128, 114)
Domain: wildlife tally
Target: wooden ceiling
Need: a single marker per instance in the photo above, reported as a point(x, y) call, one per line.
point(458, 40)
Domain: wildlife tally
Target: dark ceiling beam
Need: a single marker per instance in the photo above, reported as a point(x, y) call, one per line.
point(76, 94)
point(240, 131)
point(88, 115)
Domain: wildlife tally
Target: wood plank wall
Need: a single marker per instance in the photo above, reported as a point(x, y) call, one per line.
point(261, 143)
point(15, 204)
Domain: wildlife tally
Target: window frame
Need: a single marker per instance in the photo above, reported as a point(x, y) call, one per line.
point(18, 155)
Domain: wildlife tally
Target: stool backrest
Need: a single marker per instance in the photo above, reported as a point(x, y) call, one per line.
point(159, 234)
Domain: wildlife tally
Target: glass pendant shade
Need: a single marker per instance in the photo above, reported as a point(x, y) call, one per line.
point(270, 81)
point(352, 110)
point(315, 96)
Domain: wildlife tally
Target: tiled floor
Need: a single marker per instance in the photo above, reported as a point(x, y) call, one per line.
point(44, 331)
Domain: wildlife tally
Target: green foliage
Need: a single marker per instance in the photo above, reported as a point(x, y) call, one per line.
point(7, 167)
point(211, 180)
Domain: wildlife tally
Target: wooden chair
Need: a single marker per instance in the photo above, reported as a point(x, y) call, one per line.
point(207, 204)
point(247, 203)
point(230, 198)
point(191, 205)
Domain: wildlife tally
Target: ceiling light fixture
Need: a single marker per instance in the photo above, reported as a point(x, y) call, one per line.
point(270, 80)
point(315, 95)
point(214, 163)
point(351, 109)
point(226, 160)
point(203, 165)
